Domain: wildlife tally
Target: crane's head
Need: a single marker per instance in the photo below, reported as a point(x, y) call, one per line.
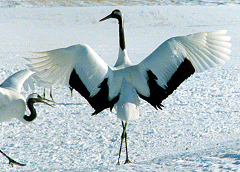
point(35, 98)
point(117, 14)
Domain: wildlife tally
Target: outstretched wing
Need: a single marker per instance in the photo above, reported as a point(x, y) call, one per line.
point(178, 58)
point(16, 81)
point(79, 67)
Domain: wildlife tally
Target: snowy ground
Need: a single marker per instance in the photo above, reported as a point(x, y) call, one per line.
point(198, 129)
point(86, 3)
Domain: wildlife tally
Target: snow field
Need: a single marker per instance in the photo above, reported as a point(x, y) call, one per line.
point(198, 129)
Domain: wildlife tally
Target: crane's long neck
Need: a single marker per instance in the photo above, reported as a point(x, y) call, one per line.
point(33, 113)
point(121, 35)
point(123, 59)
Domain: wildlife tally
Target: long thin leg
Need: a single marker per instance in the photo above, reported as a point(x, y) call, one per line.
point(127, 160)
point(11, 161)
point(51, 94)
point(71, 89)
point(44, 93)
point(123, 136)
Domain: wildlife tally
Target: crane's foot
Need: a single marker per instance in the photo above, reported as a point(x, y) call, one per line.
point(127, 161)
point(13, 162)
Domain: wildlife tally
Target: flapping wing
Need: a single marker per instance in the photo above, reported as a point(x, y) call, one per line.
point(178, 58)
point(79, 67)
point(16, 81)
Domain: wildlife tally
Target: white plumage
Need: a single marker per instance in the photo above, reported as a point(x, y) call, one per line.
point(120, 86)
point(13, 104)
point(56, 66)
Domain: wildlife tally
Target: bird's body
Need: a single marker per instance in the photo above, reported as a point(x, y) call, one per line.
point(122, 85)
point(14, 105)
point(12, 102)
point(128, 103)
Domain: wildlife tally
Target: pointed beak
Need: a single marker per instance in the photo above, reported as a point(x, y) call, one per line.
point(107, 17)
point(45, 101)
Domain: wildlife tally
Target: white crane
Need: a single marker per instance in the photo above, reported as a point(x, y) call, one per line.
point(14, 105)
point(120, 87)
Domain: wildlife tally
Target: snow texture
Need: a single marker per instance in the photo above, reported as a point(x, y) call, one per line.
point(197, 130)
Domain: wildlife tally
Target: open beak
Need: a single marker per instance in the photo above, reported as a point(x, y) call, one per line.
point(107, 17)
point(43, 100)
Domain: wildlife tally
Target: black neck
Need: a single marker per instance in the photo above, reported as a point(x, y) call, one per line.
point(121, 34)
point(33, 113)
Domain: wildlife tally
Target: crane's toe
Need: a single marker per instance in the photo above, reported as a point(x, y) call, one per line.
point(127, 161)
point(13, 162)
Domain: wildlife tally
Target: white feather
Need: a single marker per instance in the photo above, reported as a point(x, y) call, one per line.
point(165, 60)
point(204, 50)
point(56, 66)
point(12, 103)
point(15, 82)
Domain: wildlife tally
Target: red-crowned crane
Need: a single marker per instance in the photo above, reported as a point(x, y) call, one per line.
point(14, 105)
point(121, 86)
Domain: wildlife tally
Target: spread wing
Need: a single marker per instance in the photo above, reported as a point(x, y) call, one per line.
point(16, 81)
point(79, 67)
point(175, 60)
